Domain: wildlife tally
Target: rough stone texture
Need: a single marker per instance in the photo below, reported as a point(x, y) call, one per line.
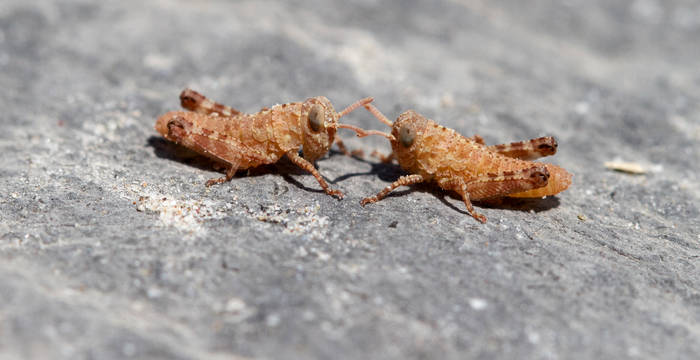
point(111, 246)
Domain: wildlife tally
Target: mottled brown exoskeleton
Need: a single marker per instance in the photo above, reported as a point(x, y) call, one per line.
point(241, 141)
point(434, 153)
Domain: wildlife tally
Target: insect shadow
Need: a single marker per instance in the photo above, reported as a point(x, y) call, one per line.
point(389, 172)
point(506, 203)
point(384, 171)
point(168, 150)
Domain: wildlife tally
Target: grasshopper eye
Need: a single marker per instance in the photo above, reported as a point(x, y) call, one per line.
point(406, 136)
point(317, 118)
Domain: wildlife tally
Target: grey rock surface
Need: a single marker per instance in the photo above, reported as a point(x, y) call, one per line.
point(111, 247)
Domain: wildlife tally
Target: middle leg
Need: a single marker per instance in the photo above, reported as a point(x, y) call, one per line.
point(458, 185)
point(495, 185)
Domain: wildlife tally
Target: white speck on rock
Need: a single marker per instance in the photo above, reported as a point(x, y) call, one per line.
point(235, 305)
point(272, 320)
point(321, 255)
point(478, 304)
point(582, 107)
point(158, 61)
point(533, 337)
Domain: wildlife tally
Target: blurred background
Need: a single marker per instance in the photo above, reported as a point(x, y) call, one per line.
point(111, 247)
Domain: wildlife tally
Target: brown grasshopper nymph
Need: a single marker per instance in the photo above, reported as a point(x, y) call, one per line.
point(433, 153)
point(242, 141)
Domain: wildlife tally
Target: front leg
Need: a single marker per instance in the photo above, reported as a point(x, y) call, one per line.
point(304, 164)
point(404, 180)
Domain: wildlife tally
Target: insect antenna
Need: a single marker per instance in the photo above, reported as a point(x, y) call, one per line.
point(378, 114)
point(362, 132)
point(355, 105)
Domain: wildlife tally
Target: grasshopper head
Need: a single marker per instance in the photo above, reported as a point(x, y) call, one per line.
point(319, 123)
point(407, 131)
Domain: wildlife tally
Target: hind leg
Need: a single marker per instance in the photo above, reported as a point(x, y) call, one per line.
point(524, 150)
point(528, 149)
point(194, 101)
